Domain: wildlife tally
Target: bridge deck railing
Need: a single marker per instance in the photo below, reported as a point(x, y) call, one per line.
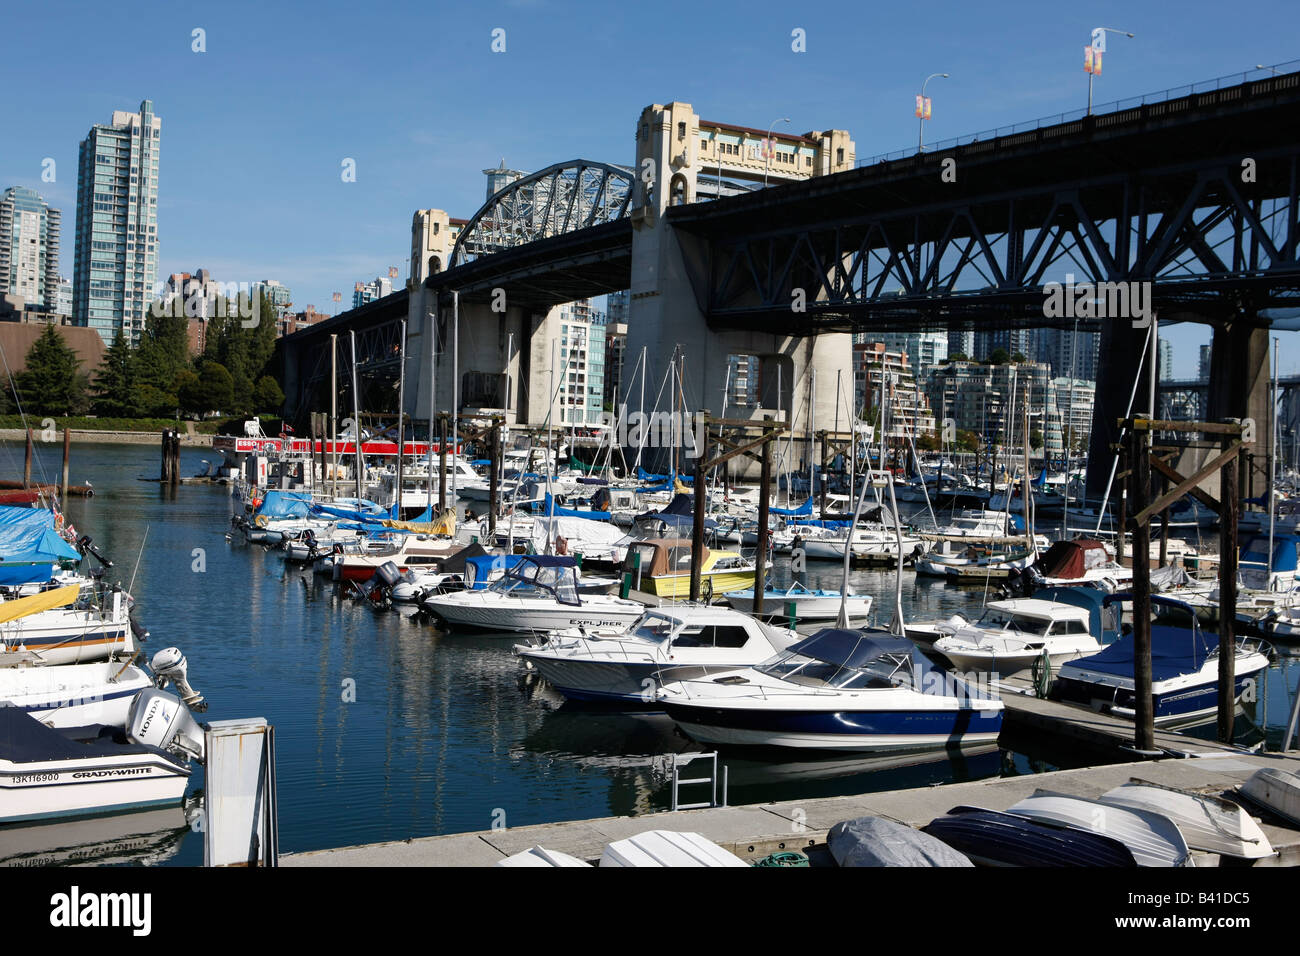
point(1117, 106)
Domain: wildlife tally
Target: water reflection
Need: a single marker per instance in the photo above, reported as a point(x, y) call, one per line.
point(387, 728)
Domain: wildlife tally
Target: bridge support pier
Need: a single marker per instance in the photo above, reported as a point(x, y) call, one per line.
point(1120, 365)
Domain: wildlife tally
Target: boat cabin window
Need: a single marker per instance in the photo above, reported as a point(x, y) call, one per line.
point(655, 628)
point(994, 618)
point(712, 636)
point(883, 672)
point(1070, 627)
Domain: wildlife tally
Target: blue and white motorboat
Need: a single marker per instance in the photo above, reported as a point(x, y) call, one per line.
point(1184, 669)
point(837, 690)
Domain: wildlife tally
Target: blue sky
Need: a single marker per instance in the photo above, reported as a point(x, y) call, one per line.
point(255, 129)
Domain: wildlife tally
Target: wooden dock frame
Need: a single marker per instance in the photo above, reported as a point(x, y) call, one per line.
point(1141, 465)
point(738, 444)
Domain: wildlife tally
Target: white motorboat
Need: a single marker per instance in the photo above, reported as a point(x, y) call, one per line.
point(44, 628)
point(837, 690)
point(1153, 838)
point(667, 643)
point(76, 695)
point(540, 856)
point(539, 593)
point(803, 603)
point(1011, 635)
point(1275, 790)
point(47, 773)
point(1207, 822)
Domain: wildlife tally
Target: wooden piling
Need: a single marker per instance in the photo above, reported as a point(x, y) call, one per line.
point(27, 462)
point(760, 561)
point(1230, 502)
point(1144, 729)
point(1125, 462)
point(164, 474)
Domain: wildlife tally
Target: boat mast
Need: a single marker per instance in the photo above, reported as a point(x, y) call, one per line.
point(401, 410)
point(356, 418)
point(334, 416)
point(455, 390)
point(432, 326)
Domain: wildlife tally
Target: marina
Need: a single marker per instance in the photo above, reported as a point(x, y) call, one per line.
point(703, 452)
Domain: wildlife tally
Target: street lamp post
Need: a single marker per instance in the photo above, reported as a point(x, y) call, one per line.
point(920, 122)
point(1261, 66)
point(1099, 44)
point(768, 146)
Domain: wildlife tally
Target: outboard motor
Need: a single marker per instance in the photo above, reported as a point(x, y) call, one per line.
point(86, 546)
point(138, 630)
point(169, 666)
point(157, 719)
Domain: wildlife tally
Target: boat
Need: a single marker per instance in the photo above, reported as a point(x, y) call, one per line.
point(1152, 838)
point(667, 848)
point(45, 627)
point(1184, 669)
point(667, 643)
point(875, 841)
point(540, 856)
point(802, 603)
point(992, 838)
point(1012, 635)
point(412, 552)
point(837, 690)
point(662, 566)
point(539, 593)
point(1207, 822)
point(1277, 791)
point(49, 773)
point(1081, 561)
point(74, 695)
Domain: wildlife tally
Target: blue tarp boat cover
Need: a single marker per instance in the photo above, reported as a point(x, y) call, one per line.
point(1286, 552)
point(643, 475)
point(29, 545)
point(285, 504)
point(551, 510)
point(800, 512)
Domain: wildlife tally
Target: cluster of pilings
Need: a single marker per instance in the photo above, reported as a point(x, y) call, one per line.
point(171, 457)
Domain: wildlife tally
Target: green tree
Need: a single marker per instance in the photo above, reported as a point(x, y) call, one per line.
point(114, 380)
point(209, 391)
point(999, 356)
point(1035, 438)
point(267, 395)
point(163, 354)
point(52, 382)
point(1019, 358)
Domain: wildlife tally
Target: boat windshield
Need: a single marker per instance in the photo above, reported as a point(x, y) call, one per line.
point(1006, 620)
point(887, 670)
point(655, 628)
point(531, 578)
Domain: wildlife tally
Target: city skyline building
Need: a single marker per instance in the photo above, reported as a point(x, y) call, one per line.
point(117, 244)
point(29, 248)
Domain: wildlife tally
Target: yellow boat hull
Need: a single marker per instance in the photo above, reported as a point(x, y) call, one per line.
point(678, 586)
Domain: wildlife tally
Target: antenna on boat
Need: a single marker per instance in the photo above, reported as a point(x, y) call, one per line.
point(130, 587)
point(842, 620)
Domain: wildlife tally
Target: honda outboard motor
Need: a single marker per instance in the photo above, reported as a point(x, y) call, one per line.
point(169, 666)
point(160, 720)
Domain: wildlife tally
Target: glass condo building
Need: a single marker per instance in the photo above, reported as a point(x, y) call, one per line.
point(116, 259)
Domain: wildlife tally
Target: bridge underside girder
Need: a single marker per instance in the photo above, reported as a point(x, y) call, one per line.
point(548, 272)
point(1143, 195)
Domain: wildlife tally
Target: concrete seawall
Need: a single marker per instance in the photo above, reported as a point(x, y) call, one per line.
point(86, 436)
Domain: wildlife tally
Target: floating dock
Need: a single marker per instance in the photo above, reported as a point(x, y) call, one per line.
point(754, 831)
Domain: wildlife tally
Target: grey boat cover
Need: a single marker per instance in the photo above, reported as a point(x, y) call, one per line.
point(874, 841)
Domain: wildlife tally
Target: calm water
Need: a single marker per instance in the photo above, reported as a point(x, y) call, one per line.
point(446, 734)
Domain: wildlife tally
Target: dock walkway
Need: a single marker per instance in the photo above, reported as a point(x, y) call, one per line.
point(754, 831)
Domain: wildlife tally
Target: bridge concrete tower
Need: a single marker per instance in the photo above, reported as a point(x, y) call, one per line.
point(666, 316)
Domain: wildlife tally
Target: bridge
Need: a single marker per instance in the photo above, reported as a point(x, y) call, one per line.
point(1195, 194)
